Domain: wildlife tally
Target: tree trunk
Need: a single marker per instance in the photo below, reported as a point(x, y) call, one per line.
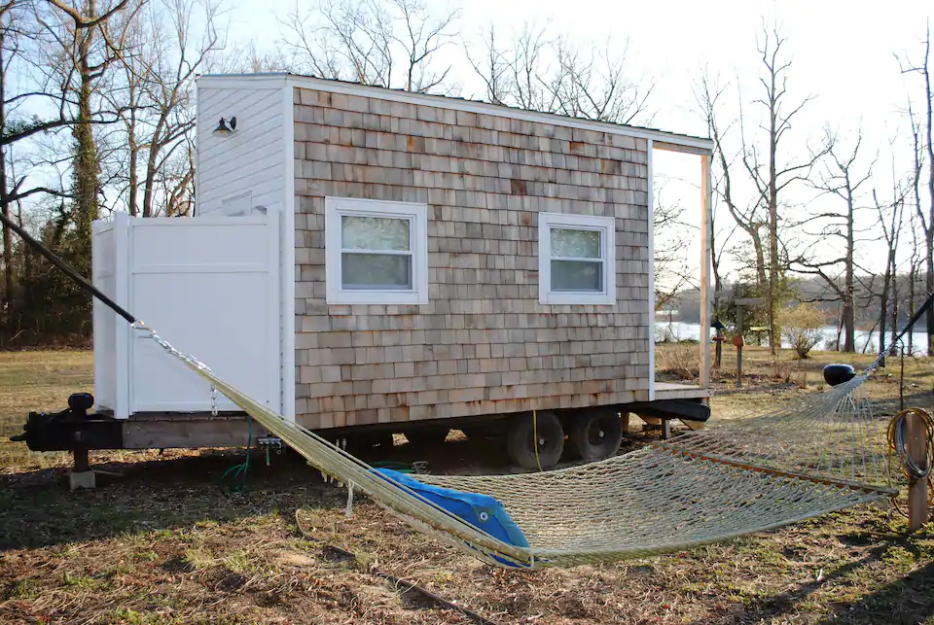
point(912, 276)
point(774, 340)
point(849, 324)
point(929, 315)
point(156, 143)
point(87, 169)
point(8, 275)
point(839, 331)
point(760, 263)
point(929, 233)
point(149, 184)
point(133, 189)
point(883, 315)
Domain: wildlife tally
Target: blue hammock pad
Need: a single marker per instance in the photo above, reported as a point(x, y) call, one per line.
point(482, 511)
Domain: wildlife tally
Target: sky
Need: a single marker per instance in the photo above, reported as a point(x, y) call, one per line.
point(842, 54)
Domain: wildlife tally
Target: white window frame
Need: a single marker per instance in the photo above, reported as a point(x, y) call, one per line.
point(416, 213)
point(607, 227)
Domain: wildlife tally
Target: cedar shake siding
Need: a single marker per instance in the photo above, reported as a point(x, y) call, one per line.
point(483, 343)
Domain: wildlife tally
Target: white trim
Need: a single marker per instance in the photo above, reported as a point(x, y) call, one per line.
point(274, 301)
point(198, 120)
point(123, 297)
point(651, 213)
point(671, 140)
point(417, 213)
point(607, 227)
point(288, 271)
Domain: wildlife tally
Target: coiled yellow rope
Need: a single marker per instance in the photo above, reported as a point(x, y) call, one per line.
point(897, 439)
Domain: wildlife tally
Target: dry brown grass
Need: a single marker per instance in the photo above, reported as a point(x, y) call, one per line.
point(165, 544)
point(678, 361)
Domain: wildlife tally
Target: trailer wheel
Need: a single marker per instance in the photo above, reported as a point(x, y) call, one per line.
point(520, 440)
point(595, 435)
point(426, 436)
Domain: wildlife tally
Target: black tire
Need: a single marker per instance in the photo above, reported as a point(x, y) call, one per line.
point(595, 435)
point(520, 440)
point(424, 437)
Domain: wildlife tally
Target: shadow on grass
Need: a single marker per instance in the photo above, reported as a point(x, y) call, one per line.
point(906, 600)
point(890, 405)
point(37, 509)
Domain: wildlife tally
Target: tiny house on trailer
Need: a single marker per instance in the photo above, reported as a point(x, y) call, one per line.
point(369, 261)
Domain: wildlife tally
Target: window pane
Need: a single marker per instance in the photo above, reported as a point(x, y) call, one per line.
point(570, 275)
point(575, 243)
point(374, 233)
point(376, 271)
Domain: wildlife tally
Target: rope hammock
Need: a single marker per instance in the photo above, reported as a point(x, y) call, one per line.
point(741, 476)
point(737, 477)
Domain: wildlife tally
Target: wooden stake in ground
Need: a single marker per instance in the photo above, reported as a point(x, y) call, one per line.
point(918, 444)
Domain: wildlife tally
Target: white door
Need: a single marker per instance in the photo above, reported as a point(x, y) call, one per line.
point(210, 287)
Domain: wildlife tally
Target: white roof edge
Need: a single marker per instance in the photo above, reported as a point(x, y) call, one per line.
point(668, 140)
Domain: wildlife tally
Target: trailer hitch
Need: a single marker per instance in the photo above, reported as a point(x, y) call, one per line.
point(70, 429)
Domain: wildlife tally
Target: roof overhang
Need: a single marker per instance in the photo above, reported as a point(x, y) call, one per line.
point(661, 139)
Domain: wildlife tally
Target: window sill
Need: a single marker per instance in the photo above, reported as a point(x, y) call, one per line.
point(576, 299)
point(376, 298)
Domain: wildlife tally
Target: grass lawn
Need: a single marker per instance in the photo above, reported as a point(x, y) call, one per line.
point(166, 542)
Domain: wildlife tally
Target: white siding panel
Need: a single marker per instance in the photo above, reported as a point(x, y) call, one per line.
point(210, 286)
point(104, 320)
point(250, 159)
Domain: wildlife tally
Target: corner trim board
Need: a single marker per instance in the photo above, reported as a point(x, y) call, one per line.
point(288, 255)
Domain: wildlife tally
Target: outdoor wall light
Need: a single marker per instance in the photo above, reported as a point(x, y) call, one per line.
point(223, 130)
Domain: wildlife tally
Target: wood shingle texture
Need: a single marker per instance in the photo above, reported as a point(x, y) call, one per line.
point(483, 344)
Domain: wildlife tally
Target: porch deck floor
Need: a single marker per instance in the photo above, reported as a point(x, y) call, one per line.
point(667, 390)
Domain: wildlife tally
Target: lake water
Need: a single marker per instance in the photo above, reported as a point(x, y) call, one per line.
point(691, 331)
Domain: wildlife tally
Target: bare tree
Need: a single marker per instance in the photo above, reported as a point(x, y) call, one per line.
point(890, 216)
point(9, 50)
point(549, 73)
point(925, 144)
point(37, 101)
point(85, 39)
point(515, 75)
point(387, 43)
point(158, 111)
point(771, 178)
point(672, 270)
point(746, 218)
point(841, 178)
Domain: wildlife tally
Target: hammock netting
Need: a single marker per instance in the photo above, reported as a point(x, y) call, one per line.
point(821, 454)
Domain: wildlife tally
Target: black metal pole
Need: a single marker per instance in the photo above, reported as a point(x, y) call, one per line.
point(68, 269)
